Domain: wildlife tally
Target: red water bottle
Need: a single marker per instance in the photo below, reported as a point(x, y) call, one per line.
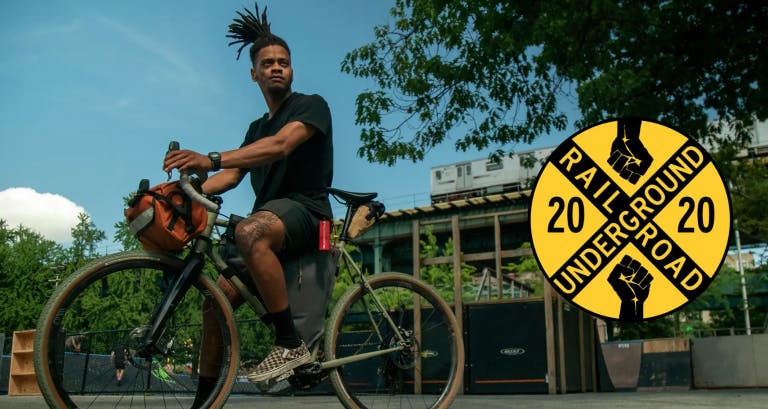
point(325, 235)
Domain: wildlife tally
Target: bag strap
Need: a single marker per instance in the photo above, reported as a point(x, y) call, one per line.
point(142, 221)
point(184, 211)
point(188, 215)
point(167, 199)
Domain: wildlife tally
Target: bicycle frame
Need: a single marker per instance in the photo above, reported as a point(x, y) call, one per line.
point(354, 270)
point(202, 247)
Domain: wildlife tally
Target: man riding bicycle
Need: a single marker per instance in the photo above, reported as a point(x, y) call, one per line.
point(289, 155)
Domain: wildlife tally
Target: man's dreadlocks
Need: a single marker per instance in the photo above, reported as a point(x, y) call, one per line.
point(248, 29)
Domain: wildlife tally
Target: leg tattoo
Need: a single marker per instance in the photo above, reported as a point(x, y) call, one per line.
point(254, 229)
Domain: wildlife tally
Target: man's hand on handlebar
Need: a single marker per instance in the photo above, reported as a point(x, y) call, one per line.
point(187, 161)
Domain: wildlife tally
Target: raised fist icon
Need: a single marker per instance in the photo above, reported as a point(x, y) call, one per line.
point(628, 155)
point(632, 283)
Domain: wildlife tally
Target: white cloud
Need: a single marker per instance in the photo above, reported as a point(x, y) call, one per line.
point(51, 215)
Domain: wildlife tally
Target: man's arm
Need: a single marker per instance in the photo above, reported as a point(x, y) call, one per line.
point(222, 181)
point(269, 149)
point(261, 152)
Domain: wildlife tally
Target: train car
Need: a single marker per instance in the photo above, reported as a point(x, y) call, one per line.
point(483, 177)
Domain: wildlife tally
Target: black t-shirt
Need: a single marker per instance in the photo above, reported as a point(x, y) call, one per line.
point(308, 170)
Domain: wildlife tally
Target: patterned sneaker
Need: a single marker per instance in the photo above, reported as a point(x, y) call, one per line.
point(279, 361)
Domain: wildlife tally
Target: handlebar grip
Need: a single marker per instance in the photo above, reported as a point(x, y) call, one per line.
point(187, 187)
point(173, 146)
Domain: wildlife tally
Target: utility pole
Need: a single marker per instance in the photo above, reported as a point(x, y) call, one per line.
point(743, 279)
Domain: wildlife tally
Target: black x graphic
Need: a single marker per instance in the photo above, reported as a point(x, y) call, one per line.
point(630, 219)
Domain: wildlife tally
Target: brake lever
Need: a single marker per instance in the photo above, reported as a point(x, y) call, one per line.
point(173, 146)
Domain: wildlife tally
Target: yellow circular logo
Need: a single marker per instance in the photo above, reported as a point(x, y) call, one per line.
point(630, 219)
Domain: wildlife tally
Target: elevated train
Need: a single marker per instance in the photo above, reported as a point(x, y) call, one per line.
point(482, 177)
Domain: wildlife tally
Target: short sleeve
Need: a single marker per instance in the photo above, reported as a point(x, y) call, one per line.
point(312, 110)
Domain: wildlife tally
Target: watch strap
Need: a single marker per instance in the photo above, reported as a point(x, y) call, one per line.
point(215, 158)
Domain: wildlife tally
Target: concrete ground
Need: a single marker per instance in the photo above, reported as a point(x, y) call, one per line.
point(714, 399)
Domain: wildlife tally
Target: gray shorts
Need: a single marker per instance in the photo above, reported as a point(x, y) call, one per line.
point(301, 226)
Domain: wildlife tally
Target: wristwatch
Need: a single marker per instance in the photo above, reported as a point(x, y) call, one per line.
point(215, 158)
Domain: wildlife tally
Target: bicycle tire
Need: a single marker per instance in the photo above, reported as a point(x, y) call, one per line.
point(109, 302)
point(390, 380)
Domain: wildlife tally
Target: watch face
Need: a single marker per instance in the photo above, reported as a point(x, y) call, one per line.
point(215, 160)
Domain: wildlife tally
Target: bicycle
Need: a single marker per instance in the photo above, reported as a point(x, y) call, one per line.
point(389, 341)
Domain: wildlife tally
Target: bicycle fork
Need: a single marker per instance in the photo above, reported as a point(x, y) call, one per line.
point(172, 296)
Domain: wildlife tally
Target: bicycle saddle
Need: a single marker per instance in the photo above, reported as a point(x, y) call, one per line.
point(352, 198)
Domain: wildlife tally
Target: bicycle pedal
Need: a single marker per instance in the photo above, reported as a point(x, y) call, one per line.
point(310, 368)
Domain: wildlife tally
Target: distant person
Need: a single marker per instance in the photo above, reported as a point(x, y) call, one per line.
point(117, 356)
point(74, 343)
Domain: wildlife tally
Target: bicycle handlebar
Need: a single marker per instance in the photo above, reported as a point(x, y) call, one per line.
point(187, 187)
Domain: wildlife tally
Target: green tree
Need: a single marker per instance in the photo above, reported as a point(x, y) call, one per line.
point(123, 234)
point(728, 308)
point(344, 276)
point(85, 240)
point(441, 276)
point(523, 267)
point(748, 188)
point(27, 262)
point(487, 73)
point(256, 339)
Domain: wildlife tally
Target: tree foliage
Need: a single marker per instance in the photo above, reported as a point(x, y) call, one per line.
point(85, 239)
point(344, 277)
point(123, 234)
point(747, 180)
point(488, 73)
point(27, 262)
point(526, 270)
point(725, 294)
point(31, 266)
point(441, 276)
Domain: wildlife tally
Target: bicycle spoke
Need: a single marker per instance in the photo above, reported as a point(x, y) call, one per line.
point(111, 304)
point(429, 358)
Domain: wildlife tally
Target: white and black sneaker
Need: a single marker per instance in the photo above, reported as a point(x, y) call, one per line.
point(279, 361)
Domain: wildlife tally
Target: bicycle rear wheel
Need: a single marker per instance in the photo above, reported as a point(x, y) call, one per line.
point(109, 303)
point(426, 373)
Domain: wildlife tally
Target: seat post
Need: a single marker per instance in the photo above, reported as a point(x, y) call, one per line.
point(347, 220)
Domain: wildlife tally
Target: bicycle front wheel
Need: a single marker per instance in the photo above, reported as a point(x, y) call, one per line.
point(424, 372)
point(87, 346)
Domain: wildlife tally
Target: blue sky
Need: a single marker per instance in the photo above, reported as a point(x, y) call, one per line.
point(93, 91)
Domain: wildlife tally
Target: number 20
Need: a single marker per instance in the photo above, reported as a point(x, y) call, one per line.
point(574, 214)
point(704, 208)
